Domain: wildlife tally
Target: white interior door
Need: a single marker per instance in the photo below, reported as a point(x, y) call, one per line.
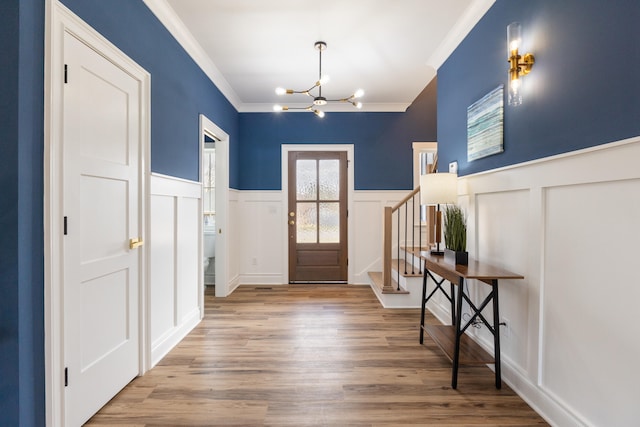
point(101, 205)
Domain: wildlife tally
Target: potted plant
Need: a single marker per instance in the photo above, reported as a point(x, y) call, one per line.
point(455, 235)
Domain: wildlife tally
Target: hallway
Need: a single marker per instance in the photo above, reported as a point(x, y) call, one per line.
point(310, 355)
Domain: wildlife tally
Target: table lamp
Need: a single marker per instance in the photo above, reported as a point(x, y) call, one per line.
point(438, 189)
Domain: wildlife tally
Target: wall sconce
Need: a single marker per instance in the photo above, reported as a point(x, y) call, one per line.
point(518, 65)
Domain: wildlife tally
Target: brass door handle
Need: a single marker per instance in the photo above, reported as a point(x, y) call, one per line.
point(135, 243)
point(292, 222)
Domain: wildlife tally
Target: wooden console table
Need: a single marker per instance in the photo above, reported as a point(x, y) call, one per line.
point(458, 346)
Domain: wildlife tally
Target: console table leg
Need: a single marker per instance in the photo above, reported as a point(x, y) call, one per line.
point(496, 335)
point(453, 304)
point(456, 350)
point(424, 302)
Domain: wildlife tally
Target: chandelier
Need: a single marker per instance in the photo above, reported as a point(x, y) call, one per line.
point(318, 99)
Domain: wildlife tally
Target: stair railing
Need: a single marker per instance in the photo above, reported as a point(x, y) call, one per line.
point(392, 217)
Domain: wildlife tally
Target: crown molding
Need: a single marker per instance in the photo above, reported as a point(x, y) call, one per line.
point(167, 16)
point(459, 31)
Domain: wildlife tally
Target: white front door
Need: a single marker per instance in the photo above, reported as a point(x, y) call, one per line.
point(101, 205)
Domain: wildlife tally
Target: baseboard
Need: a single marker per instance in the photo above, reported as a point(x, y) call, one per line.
point(172, 337)
point(260, 279)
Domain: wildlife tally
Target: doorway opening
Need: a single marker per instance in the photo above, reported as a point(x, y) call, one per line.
point(214, 176)
point(209, 208)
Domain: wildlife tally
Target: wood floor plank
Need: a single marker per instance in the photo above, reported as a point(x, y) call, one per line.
point(311, 355)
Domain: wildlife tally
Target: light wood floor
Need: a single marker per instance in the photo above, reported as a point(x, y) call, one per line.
point(311, 355)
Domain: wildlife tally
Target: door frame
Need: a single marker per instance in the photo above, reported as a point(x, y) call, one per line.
point(222, 210)
point(59, 20)
point(285, 149)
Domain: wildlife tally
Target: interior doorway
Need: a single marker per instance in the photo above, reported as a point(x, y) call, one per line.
point(214, 208)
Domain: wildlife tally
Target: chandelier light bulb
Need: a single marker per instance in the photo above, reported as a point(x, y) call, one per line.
point(358, 105)
point(277, 107)
point(280, 91)
point(324, 80)
point(319, 113)
point(359, 93)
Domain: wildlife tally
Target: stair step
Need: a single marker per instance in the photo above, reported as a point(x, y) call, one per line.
point(376, 277)
point(415, 250)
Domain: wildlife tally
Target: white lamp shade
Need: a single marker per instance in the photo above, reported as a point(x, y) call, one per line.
point(438, 188)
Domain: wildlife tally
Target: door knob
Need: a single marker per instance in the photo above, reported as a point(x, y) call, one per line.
point(292, 214)
point(135, 243)
point(292, 222)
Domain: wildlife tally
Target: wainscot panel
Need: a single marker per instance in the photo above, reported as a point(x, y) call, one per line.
point(175, 261)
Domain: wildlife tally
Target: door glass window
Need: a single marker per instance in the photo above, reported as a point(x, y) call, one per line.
point(306, 180)
point(307, 229)
point(330, 222)
point(329, 171)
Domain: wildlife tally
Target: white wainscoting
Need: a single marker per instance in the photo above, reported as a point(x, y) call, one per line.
point(570, 225)
point(174, 267)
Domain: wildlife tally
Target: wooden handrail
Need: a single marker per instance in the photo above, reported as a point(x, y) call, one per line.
point(405, 199)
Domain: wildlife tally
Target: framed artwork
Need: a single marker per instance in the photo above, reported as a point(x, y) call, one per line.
point(485, 125)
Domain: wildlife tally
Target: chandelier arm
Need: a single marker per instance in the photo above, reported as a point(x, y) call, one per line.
point(309, 108)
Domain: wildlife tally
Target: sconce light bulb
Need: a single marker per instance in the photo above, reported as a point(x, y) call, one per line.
point(514, 36)
point(515, 93)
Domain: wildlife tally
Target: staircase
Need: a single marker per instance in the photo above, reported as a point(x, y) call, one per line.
point(399, 285)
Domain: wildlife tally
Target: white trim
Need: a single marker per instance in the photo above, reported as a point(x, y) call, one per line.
point(165, 13)
point(59, 20)
point(459, 31)
point(349, 148)
point(223, 220)
point(166, 185)
point(601, 147)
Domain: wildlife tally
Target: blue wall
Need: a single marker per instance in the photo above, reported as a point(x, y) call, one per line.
point(180, 90)
point(21, 243)
point(382, 142)
point(583, 90)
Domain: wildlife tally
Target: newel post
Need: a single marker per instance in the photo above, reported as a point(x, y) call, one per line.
point(386, 242)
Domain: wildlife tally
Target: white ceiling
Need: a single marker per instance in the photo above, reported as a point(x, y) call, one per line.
point(389, 48)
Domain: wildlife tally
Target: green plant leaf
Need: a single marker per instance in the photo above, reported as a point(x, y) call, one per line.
point(455, 228)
